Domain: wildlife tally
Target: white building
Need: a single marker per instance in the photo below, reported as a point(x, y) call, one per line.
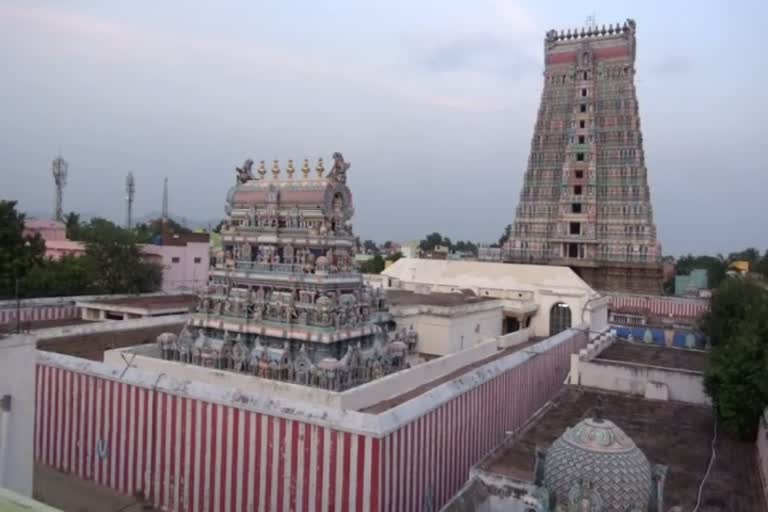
point(547, 298)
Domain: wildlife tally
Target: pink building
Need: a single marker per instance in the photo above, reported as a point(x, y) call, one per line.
point(185, 260)
point(54, 233)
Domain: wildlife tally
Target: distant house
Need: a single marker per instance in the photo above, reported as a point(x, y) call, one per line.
point(185, 259)
point(54, 234)
point(693, 284)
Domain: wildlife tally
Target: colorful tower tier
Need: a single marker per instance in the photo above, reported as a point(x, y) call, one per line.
point(285, 300)
point(585, 202)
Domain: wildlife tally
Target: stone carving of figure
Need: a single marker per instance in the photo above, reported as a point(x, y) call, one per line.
point(258, 312)
point(245, 252)
point(288, 254)
point(244, 173)
point(339, 169)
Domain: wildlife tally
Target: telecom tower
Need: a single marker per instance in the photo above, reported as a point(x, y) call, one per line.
point(59, 168)
point(130, 189)
point(165, 201)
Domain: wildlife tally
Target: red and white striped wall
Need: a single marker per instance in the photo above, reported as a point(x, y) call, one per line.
point(40, 313)
point(188, 448)
point(676, 307)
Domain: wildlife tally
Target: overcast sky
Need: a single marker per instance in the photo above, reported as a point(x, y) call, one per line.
point(433, 102)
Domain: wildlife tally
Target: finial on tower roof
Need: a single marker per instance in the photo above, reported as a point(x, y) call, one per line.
point(290, 170)
point(305, 168)
point(275, 169)
point(319, 168)
point(262, 169)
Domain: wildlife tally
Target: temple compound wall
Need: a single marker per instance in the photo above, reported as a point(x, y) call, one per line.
point(188, 445)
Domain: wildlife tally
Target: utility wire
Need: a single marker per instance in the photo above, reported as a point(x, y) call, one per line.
point(709, 468)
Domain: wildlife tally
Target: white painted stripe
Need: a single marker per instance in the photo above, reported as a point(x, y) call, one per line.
point(80, 438)
point(367, 472)
point(187, 484)
point(59, 416)
point(300, 467)
point(240, 454)
point(207, 484)
point(230, 454)
point(254, 444)
point(95, 434)
point(263, 465)
point(178, 482)
point(340, 469)
point(285, 487)
point(275, 454)
point(38, 410)
point(89, 460)
point(140, 440)
point(198, 445)
point(352, 476)
point(326, 456)
point(123, 437)
point(217, 476)
point(313, 469)
point(167, 445)
point(149, 474)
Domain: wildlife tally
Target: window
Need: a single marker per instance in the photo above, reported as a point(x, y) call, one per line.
point(583, 107)
point(575, 207)
point(580, 156)
point(175, 259)
point(583, 93)
point(559, 318)
point(577, 190)
point(585, 75)
point(582, 139)
point(579, 174)
point(198, 259)
point(575, 228)
point(582, 124)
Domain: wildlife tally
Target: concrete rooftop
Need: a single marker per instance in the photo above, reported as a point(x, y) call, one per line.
point(670, 433)
point(655, 355)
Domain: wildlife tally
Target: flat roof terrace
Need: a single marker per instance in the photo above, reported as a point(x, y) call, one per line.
point(136, 307)
point(674, 434)
point(655, 355)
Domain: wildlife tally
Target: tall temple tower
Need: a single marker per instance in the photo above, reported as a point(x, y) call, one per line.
point(585, 202)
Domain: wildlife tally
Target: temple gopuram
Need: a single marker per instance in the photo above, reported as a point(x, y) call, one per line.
point(286, 301)
point(585, 201)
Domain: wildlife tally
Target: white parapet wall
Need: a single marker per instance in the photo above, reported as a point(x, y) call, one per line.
point(148, 357)
point(17, 412)
point(652, 382)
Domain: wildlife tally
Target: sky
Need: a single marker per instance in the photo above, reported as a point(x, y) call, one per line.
point(433, 103)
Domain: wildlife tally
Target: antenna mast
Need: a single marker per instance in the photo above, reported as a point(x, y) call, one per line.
point(130, 190)
point(165, 201)
point(59, 169)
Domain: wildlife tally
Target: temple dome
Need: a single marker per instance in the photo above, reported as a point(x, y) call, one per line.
point(598, 453)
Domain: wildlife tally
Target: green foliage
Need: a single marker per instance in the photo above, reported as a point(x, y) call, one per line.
point(373, 266)
point(369, 246)
point(505, 235)
point(716, 267)
point(72, 222)
point(117, 263)
point(68, 276)
point(147, 232)
point(737, 377)
point(18, 254)
point(395, 256)
point(436, 239)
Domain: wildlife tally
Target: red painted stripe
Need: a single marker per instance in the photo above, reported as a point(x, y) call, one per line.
point(249, 480)
point(257, 449)
point(376, 474)
point(331, 477)
point(360, 468)
point(202, 495)
point(280, 447)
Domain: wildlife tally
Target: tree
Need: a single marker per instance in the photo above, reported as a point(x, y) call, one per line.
point(54, 278)
point(18, 254)
point(117, 263)
point(369, 246)
point(373, 266)
point(716, 267)
point(433, 240)
point(505, 235)
point(737, 377)
point(72, 222)
point(394, 256)
point(761, 267)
